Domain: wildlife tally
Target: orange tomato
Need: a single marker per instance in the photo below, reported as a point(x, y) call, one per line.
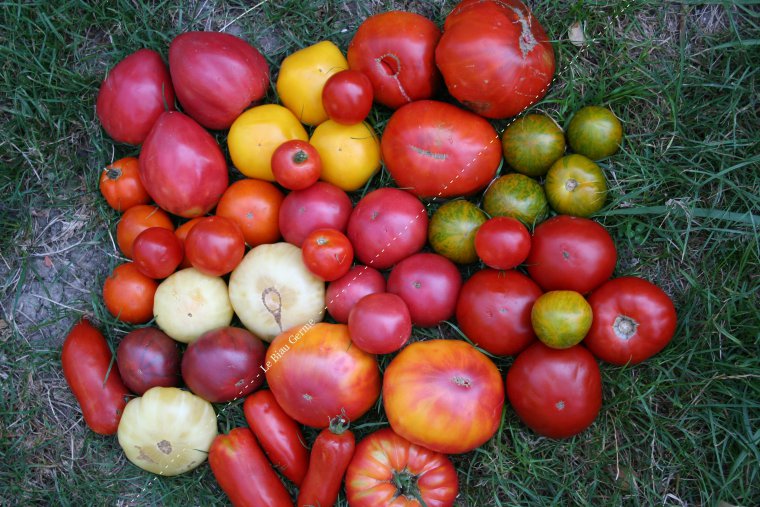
point(128, 294)
point(255, 206)
point(121, 186)
point(135, 220)
point(181, 233)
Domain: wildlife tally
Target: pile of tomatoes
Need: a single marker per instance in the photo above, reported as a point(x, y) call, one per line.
point(237, 278)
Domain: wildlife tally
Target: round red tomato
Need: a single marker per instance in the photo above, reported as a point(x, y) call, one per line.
point(128, 294)
point(633, 320)
point(215, 245)
point(296, 164)
point(343, 293)
point(380, 323)
point(571, 253)
point(121, 186)
point(386, 226)
point(327, 253)
point(157, 252)
point(135, 220)
point(557, 393)
point(493, 310)
point(181, 233)
point(502, 242)
point(147, 357)
point(429, 285)
point(320, 206)
point(347, 97)
point(255, 206)
point(443, 395)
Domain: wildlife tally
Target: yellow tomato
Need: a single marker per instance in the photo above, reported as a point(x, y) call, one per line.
point(256, 133)
point(302, 76)
point(350, 153)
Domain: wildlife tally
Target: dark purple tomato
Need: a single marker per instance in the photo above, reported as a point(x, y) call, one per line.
point(147, 358)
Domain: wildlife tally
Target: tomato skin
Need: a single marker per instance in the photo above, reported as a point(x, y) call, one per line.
point(532, 144)
point(347, 97)
point(279, 435)
point(215, 245)
point(296, 164)
point(157, 252)
point(137, 219)
point(633, 320)
point(350, 153)
point(327, 253)
point(254, 205)
point(147, 357)
point(330, 455)
point(557, 393)
point(243, 471)
point(575, 185)
point(121, 186)
point(380, 323)
point(518, 196)
point(133, 95)
point(343, 293)
point(571, 253)
point(93, 378)
point(320, 206)
point(181, 233)
point(128, 294)
point(561, 318)
point(595, 132)
point(452, 230)
point(502, 243)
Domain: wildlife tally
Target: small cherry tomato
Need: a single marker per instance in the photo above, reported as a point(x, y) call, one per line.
point(296, 164)
point(343, 293)
point(347, 97)
point(502, 243)
point(215, 245)
point(328, 253)
point(255, 206)
point(380, 323)
point(121, 186)
point(157, 252)
point(147, 358)
point(135, 220)
point(128, 294)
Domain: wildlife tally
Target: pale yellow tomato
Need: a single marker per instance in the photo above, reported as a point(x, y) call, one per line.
point(350, 153)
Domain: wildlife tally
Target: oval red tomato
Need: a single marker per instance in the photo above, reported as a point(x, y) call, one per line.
point(343, 293)
point(157, 252)
point(128, 294)
point(347, 97)
point(121, 186)
point(327, 253)
point(380, 323)
point(147, 357)
point(255, 206)
point(137, 219)
point(296, 164)
point(502, 242)
point(215, 245)
point(320, 206)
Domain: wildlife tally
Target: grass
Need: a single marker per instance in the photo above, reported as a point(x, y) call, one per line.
point(679, 429)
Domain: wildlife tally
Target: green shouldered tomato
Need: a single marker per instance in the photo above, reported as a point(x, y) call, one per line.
point(532, 144)
point(452, 230)
point(595, 132)
point(516, 195)
point(576, 186)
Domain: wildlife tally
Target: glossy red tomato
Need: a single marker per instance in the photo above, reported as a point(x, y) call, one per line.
point(321, 206)
point(380, 323)
point(128, 294)
point(343, 293)
point(571, 253)
point(181, 233)
point(347, 97)
point(224, 364)
point(255, 206)
point(435, 149)
point(495, 57)
point(157, 252)
point(391, 471)
point(96, 385)
point(493, 310)
point(327, 253)
point(133, 96)
point(429, 285)
point(557, 393)
point(216, 76)
point(137, 219)
point(633, 320)
point(330, 455)
point(147, 357)
point(386, 226)
point(215, 245)
point(502, 242)
point(121, 186)
point(182, 167)
point(296, 164)
point(396, 51)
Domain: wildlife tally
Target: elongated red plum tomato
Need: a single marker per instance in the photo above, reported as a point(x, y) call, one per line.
point(327, 253)
point(320, 206)
point(518, 196)
point(443, 395)
point(633, 320)
point(386, 226)
point(157, 252)
point(215, 245)
point(182, 167)
point(347, 97)
point(420, 161)
point(571, 253)
point(508, 47)
point(96, 385)
point(121, 186)
point(396, 51)
point(147, 357)
point(595, 132)
point(216, 76)
point(128, 294)
point(493, 310)
point(296, 164)
point(380, 323)
point(133, 96)
point(330, 455)
point(575, 185)
point(502, 242)
point(343, 293)
point(532, 144)
point(254, 205)
point(556, 393)
point(452, 230)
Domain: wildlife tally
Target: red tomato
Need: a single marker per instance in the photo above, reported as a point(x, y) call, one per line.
point(380, 323)
point(181, 233)
point(182, 167)
point(330, 455)
point(243, 471)
point(390, 471)
point(327, 253)
point(386, 226)
point(255, 206)
point(315, 374)
point(215, 245)
point(556, 392)
point(217, 76)
point(96, 385)
point(224, 364)
point(571, 253)
point(279, 435)
point(443, 395)
point(134, 221)
point(128, 294)
point(157, 252)
point(502, 243)
point(343, 293)
point(429, 285)
point(436, 149)
point(493, 310)
point(347, 97)
point(321, 206)
point(121, 186)
point(396, 51)
point(133, 96)
point(296, 164)
point(508, 47)
point(147, 357)
point(633, 320)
